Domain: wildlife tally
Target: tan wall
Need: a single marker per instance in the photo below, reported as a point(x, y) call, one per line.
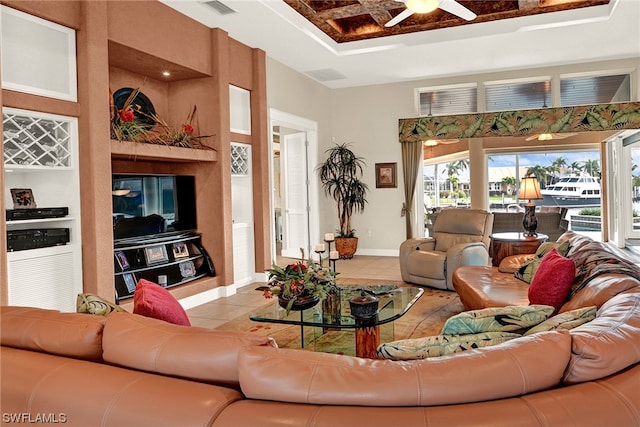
point(369, 115)
point(128, 44)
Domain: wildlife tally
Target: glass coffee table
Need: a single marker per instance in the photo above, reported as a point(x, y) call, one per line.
point(394, 302)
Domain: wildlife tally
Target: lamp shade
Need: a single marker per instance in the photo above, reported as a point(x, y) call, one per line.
point(529, 189)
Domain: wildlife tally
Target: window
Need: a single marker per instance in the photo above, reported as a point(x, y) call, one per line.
point(633, 173)
point(447, 100)
point(508, 96)
point(595, 89)
point(568, 179)
point(626, 188)
point(446, 184)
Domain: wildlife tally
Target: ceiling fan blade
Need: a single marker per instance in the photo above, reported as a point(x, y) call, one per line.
point(398, 18)
point(455, 8)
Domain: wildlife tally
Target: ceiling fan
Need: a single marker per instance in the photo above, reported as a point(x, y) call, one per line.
point(426, 6)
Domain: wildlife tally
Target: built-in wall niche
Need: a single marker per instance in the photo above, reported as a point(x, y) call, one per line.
point(41, 160)
point(240, 110)
point(38, 56)
point(152, 204)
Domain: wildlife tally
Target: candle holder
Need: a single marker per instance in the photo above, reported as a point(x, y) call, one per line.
point(329, 238)
point(333, 257)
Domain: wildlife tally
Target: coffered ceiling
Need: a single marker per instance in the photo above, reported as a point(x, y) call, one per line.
point(343, 43)
point(352, 20)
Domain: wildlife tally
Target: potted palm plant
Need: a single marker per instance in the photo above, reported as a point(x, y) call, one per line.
point(340, 175)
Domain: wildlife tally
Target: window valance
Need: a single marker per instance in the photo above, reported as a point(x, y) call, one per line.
point(584, 118)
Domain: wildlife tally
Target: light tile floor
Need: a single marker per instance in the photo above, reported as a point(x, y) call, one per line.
point(222, 310)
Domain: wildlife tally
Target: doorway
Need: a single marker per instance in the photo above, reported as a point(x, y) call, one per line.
point(294, 184)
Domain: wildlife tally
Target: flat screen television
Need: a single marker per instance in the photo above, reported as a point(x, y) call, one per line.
point(152, 204)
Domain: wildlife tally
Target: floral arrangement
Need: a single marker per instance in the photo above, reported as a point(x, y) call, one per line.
point(125, 127)
point(298, 280)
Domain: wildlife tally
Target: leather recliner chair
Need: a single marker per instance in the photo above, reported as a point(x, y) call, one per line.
point(460, 237)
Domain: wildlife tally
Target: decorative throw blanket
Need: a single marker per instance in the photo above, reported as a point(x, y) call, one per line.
point(591, 263)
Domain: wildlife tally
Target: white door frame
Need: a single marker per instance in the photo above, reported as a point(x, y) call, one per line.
point(291, 121)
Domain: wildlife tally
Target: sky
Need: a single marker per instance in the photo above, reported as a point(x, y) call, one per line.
point(542, 159)
point(525, 160)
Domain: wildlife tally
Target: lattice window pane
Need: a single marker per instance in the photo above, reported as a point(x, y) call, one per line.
point(36, 141)
point(239, 160)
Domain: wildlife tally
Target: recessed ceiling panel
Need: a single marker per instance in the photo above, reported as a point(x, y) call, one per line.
point(347, 21)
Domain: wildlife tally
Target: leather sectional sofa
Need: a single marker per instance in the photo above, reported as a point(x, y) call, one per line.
point(128, 370)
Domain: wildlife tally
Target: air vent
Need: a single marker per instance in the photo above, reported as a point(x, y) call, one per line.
point(326, 75)
point(220, 7)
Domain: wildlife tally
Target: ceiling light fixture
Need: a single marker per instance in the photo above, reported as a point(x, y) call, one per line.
point(120, 192)
point(434, 142)
point(549, 136)
point(166, 73)
point(422, 6)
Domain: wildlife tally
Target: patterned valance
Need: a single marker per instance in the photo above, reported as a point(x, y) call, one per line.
point(523, 122)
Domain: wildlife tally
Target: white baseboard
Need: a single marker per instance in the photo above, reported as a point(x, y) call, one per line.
point(378, 252)
point(219, 292)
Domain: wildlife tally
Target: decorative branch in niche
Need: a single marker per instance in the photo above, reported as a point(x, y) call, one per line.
point(133, 118)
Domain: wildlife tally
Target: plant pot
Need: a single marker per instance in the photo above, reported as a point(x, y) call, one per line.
point(364, 306)
point(300, 302)
point(346, 246)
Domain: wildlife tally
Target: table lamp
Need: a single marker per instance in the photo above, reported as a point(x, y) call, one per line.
point(529, 190)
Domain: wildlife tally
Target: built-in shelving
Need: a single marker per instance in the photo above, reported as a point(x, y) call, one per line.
point(41, 157)
point(177, 257)
point(129, 150)
point(39, 221)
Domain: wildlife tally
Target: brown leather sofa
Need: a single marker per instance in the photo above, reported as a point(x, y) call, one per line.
point(127, 370)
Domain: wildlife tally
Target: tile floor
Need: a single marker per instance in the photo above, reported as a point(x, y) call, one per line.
point(215, 313)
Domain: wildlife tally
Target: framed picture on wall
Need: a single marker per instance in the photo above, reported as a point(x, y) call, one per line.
point(386, 175)
point(130, 281)
point(156, 254)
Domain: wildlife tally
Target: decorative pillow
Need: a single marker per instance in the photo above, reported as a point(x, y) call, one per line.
point(439, 345)
point(152, 300)
point(529, 268)
point(497, 319)
point(512, 263)
point(567, 320)
point(552, 282)
point(93, 304)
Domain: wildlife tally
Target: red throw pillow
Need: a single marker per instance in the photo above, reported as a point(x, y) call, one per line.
point(552, 281)
point(152, 300)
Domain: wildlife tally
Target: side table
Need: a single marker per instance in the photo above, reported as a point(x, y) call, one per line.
point(506, 244)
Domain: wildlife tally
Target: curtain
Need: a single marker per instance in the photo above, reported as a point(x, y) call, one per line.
point(411, 158)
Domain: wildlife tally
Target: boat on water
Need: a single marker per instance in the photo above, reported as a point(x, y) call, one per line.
point(572, 191)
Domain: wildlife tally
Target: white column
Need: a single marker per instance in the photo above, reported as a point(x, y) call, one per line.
point(478, 175)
